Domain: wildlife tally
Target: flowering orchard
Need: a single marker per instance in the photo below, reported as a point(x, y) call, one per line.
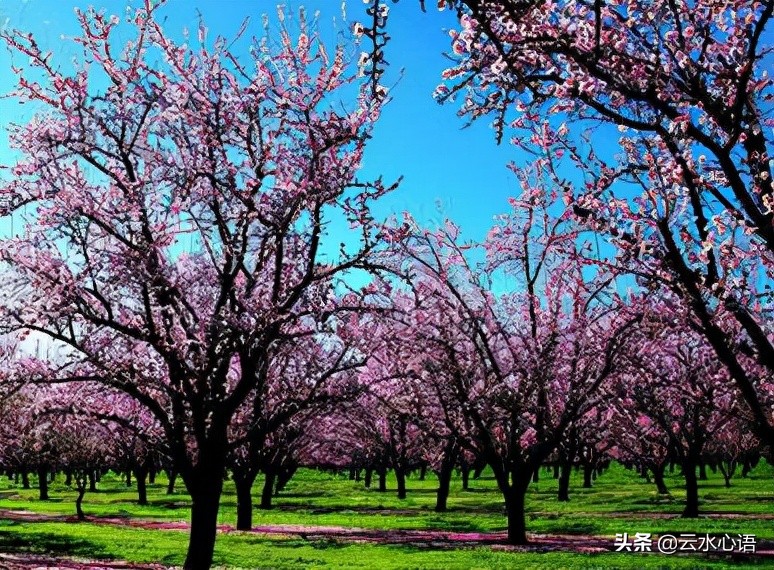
point(619, 310)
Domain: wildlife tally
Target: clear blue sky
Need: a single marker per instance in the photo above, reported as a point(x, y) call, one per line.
point(463, 170)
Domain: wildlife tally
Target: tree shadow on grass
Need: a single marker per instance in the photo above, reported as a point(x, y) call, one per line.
point(49, 543)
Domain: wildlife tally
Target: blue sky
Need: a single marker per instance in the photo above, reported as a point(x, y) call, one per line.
point(462, 172)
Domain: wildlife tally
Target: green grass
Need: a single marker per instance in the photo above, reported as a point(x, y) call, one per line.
point(619, 502)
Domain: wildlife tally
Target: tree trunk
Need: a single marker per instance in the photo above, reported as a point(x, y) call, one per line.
point(286, 474)
point(536, 476)
point(382, 480)
point(658, 478)
point(25, 477)
point(140, 474)
point(92, 481)
point(128, 477)
point(726, 474)
point(68, 478)
point(43, 483)
point(423, 472)
point(465, 471)
point(204, 521)
point(268, 489)
point(444, 480)
point(564, 482)
point(171, 477)
point(702, 471)
point(691, 490)
point(557, 471)
point(368, 475)
point(400, 475)
point(517, 525)
point(152, 476)
point(588, 474)
point(244, 488)
point(80, 483)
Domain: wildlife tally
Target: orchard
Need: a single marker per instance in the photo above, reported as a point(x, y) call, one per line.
point(223, 344)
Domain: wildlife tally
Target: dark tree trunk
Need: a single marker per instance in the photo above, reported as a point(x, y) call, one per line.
point(43, 483)
point(140, 474)
point(52, 477)
point(268, 489)
point(152, 475)
point(557, 471)
point(352, 474)
point(536, 476)
point(400, 475)
point(68, 478)
point(80, 483)
point(423, 472)
point(478, 471)
point(171, 478)
point(658, 478)
point(702, 471)
point(727, 473)
point(588, 475)
point(204, 520)
point(517, 524)
point(564, 482)
point(465, 471)
point(286, 474)
point(92, 481)
point(691, 490)
point(128, 477)
point(444, 480)
point(25, 477)
point(368, 475)
point(244, 488)
point(382, 480)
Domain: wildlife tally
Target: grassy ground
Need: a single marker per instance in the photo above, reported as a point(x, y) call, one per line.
point(619, 502)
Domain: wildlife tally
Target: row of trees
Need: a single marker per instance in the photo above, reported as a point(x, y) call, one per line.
point(510, 352)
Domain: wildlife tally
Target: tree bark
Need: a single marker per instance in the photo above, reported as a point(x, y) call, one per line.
point(204, 521)
point(400, 475)
point(517, 524)
point(92, 481)
point(564, 482)
point(444, 481)
point(244, 488)
point(382, 480)
point(25, 477)
point(588, 475)
point(691, 490)
point(140, 474)
point(702, 471)
point(658, 478)
point(171, 477)
point(368, 475)
point(465, 471)
point(80, 483)
point(268, 489)
point(43, 483)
